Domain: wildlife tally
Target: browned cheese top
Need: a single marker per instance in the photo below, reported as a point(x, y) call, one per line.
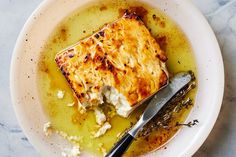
point(122, 54)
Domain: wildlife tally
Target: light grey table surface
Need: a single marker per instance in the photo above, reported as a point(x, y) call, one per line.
point(221, 14)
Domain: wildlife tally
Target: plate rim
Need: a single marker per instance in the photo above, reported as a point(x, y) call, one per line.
point(189, 151)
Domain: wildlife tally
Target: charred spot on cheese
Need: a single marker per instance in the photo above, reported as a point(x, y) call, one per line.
point(162, 57)
point(97, 36)
point(86, 58)
point(71, 55)
point(103, 7)
point(122, 62)
point(64, 72)
point(101, 33)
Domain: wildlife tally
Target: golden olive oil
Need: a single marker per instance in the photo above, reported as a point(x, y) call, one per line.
point(84, 23)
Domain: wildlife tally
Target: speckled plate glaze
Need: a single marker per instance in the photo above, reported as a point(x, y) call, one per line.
point(44, 19)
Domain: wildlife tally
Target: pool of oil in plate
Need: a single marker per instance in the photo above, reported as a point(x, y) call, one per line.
point(81, 24)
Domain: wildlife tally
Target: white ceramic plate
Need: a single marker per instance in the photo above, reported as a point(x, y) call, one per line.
point(45, 18)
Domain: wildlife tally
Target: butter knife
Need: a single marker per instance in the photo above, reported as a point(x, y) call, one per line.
point(159, 100)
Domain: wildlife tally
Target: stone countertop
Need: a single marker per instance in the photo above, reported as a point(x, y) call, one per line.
point(221, 14)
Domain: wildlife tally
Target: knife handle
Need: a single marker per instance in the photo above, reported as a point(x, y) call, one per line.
point(121, 146)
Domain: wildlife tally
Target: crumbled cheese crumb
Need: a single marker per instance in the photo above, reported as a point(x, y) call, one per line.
point(118, 100)
point(102, 149)
point(81, 108)
point(71, 152)
point(71, 104)
point(60, 94)
point(102, 130)
point(47, 128)
point(74, 139)
point(100, 116)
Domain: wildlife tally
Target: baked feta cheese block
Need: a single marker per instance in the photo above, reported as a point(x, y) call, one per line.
point(122, 64)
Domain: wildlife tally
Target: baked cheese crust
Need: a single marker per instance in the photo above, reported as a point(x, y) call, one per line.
point(122, 55)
